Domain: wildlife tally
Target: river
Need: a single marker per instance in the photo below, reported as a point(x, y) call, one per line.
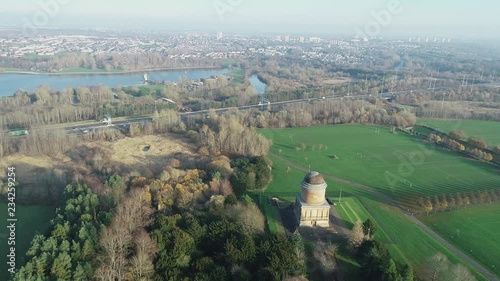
point(11, 82)
point(259, 86)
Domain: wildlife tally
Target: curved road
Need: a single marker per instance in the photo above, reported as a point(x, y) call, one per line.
point(481, 269)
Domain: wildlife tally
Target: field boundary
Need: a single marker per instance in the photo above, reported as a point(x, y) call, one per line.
point(496, 158)
point(478, 267)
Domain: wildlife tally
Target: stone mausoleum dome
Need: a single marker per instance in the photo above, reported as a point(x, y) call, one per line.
point(313, 189)
point(314, 178)
point(311, 208)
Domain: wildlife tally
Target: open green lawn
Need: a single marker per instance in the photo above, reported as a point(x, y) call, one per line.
point(413, 242)
point(489, 130)
point(438, 172)
point(404, 239)
point(476, 231)
point(351, 210)
point(273, 219)
point(399, 165)
point(30, 220)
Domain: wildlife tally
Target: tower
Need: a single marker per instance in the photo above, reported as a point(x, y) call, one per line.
point(311, 208)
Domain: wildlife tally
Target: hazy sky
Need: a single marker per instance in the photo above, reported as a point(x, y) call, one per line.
point(418, 16)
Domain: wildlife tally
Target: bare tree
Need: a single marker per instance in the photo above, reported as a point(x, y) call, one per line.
point(115, 241)
point(249, 217)
point(125, 245)
point(134, 213)
point(324, 254)
point(355, 238)
point(459, 272)
point(141, 265)
point(435, 267)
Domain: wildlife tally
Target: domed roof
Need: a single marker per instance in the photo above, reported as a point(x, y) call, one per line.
point(314, 178)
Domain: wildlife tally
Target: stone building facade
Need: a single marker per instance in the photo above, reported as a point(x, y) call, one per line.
point(311, 208)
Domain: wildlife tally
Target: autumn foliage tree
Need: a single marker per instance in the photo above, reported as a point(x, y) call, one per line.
point(457, 135)
point(434, 138)
point(496, 149)
point(453, 144)
point(477, 142)
point(481, 155)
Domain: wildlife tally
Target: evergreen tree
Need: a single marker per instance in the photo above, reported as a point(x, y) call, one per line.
point(369, 228)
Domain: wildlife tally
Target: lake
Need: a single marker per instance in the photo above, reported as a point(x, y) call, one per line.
point(11, 82)
point(259, 86)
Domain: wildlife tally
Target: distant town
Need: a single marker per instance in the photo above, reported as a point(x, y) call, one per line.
point(217, 46)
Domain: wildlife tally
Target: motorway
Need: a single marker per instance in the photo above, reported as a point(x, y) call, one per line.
point(81, 129)
point(84, 128)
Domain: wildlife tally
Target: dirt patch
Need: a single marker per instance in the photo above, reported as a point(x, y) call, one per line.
point(147, 151)
point(335, 81)
point(126, 152)
point(28, 167)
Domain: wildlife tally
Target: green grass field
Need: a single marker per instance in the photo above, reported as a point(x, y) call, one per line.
point(475, 231)
point(413, 242)
point(399, 165)
point(273, 219)
point(489, 130)
point(30, 220)
point(351, 210)
point(404, 239)
point(238, 76)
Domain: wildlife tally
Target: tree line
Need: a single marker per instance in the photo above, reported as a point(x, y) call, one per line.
point(67, 250)
point(47, 106)
point(106, 62)
point(474, 146)
point(455, 110)
point(320, 113)
point(458, 200)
